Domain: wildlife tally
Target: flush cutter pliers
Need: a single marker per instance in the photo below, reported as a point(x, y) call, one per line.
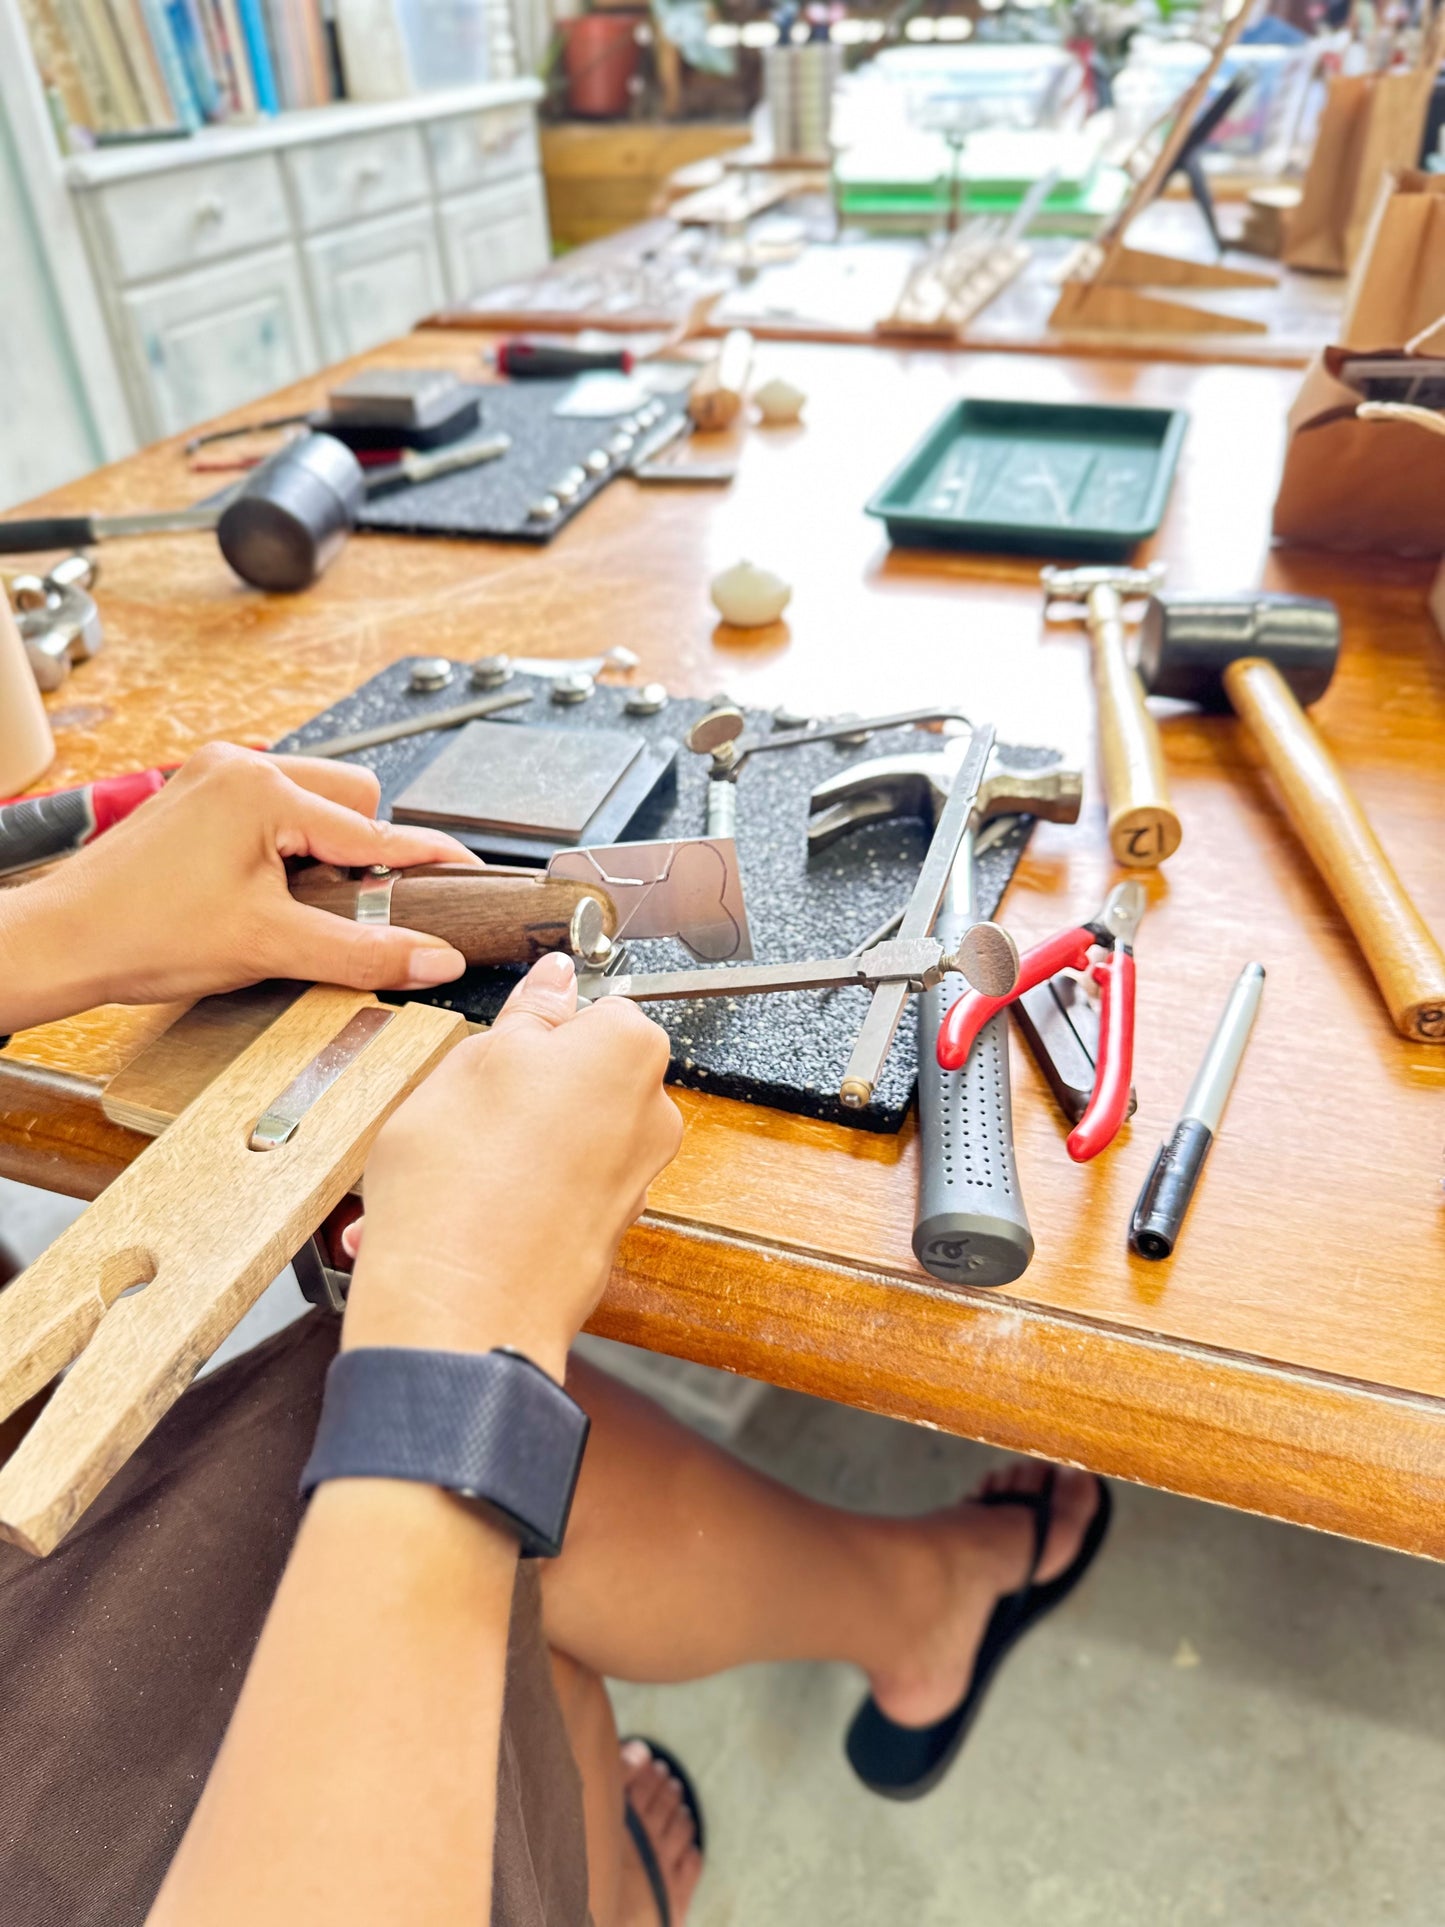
point(1112, 932)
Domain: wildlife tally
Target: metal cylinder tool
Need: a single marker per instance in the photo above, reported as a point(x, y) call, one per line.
point(971, 1227)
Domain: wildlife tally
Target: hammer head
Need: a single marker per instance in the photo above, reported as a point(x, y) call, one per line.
point(918, 784)
point(1077, 585)
point(1186, 642)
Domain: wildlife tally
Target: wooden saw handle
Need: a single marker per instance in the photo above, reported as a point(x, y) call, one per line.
point(1143, 827)
point(718, 394)
point(1408, 964)
point(491, 916)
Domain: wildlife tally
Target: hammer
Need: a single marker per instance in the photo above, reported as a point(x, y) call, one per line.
point(1143, 828)
point(971, 1227)
point(1265, 655)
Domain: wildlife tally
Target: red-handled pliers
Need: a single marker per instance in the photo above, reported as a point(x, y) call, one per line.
point(1111, 931)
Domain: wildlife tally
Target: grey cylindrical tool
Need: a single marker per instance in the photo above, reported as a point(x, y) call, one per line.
point(281, 529)
point(971, 1227)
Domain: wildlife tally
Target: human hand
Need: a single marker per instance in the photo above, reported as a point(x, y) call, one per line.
point(497, 1193)
point(189, 894)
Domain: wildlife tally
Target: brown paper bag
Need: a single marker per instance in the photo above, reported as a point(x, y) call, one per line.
point(1377, 486)
point(1372, 126)
point(1398, 286)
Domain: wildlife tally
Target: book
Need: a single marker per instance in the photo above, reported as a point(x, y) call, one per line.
point(258, 53)
point(318, 66)
point(178, 86)
point(106, 116)
point(218, 55)
point(59, 67)
point(247, 103)
point(160, 109)
point(282, 62)
point(186, 30)
point(101, 29)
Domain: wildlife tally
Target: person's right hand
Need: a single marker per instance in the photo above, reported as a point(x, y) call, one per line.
point(497, 1193)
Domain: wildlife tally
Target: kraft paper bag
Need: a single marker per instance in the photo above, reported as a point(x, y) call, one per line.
point(1398, 287)
point(1372, 126)
point(1349, 483)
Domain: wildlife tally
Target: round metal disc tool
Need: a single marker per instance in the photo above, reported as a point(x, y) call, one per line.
point(989, 958)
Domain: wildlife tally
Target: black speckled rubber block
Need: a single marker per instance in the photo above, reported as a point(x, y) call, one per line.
point(491, 501)
point(787, 1050)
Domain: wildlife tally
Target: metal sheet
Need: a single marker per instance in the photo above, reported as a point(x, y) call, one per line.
point(689, 888)
point(521, 780)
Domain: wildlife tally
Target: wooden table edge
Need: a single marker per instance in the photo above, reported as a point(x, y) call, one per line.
point(1364, 1461)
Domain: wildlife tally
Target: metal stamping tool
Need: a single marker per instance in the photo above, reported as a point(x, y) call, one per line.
point(723, 735)
point(913, 960)
point(416, 725)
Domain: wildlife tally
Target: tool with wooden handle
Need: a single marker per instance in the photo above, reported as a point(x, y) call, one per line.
point(1265, 655)
point(1143, 827)
point(686, 887)
point(203, 1220)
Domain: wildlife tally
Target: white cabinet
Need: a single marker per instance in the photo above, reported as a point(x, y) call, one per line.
point(372, 282)
point(209, 341)
point(195, 276)
point(497, 235)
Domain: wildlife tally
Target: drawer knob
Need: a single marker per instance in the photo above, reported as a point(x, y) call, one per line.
point(210, 211)
point(369, 173)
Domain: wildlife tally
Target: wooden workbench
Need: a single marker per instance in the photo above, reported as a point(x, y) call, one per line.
point(1291, 1357)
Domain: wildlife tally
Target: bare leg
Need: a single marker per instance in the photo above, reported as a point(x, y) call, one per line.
point(618, 1894)
point(682, 1562)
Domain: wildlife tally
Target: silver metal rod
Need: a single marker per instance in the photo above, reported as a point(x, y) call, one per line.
point(832, 732)
point(1215, 1077)
point(415, 725)
point(953, 822)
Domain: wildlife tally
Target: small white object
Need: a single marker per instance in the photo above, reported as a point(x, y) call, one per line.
point(779, 402)
point(750, 597)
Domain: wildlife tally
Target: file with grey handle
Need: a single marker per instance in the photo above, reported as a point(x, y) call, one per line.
point(971, 1227)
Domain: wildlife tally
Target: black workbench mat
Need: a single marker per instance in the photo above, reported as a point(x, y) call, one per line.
point(491, 501)
point(787, 1050)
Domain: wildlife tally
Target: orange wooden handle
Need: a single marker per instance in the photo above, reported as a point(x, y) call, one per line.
point(1409, 965)
point(1144, 828)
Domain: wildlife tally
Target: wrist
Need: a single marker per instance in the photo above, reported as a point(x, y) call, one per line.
point(386, 1308)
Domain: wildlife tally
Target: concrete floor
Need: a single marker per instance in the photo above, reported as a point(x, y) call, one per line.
point(1232, 1721)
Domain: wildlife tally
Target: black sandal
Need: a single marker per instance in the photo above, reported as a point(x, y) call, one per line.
point(640, 1837)
point(905, 1762)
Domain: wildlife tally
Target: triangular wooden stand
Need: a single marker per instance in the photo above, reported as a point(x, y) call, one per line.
point(1102, 294)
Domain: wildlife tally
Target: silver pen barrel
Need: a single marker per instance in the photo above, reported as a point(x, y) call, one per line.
point(1215, 1077)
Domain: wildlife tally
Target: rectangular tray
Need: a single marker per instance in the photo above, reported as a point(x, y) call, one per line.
point(1041, 478)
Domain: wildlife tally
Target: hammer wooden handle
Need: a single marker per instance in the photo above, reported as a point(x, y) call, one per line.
point(1143, 828)
point(492, 917)
point(1409, 965)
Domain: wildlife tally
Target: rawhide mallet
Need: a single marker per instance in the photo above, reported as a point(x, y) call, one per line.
point(1264, 655)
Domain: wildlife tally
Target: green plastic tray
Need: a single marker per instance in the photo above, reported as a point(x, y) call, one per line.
point(1041, 478)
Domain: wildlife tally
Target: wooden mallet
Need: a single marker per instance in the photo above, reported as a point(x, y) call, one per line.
point(1265, 655)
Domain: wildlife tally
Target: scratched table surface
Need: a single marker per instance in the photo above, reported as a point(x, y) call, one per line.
point(1291, 1357)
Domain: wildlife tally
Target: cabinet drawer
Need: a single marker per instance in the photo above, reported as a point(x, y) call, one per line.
point(339, 181)
point(471, 149)
point(374, 282)
point(161, 223)
point(210, 341)
point(495, 236)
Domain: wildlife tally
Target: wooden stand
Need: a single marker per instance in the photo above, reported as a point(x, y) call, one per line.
point(1100, 293)
point(946, 289)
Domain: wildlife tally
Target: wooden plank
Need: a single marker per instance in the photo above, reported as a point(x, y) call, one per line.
point(156, 1086)
point(202, 1222)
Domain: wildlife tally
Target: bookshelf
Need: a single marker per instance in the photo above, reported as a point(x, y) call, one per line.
point(174, 278)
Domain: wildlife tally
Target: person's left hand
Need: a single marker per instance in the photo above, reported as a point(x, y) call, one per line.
point(189, 894)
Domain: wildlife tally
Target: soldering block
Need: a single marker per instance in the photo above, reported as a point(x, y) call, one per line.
point(788, 1050)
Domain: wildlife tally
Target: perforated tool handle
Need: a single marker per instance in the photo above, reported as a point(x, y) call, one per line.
point(1109, 1104)
point(1407, 962)
point(971, 1227)
point(1143, 826)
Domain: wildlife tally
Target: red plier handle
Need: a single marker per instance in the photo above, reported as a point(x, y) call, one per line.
point(1109, 1100)
point(1067, 951)
point(1114, 972)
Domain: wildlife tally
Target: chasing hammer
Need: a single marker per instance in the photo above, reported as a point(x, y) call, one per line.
point(1265, 655)
point(1143, 826)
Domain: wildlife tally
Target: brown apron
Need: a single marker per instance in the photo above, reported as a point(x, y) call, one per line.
point(122, 1656)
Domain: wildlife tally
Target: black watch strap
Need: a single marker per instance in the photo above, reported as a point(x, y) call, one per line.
point(489, 1426)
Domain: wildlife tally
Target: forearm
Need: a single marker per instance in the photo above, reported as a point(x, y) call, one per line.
point(51, 962)
point(357, 1782)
